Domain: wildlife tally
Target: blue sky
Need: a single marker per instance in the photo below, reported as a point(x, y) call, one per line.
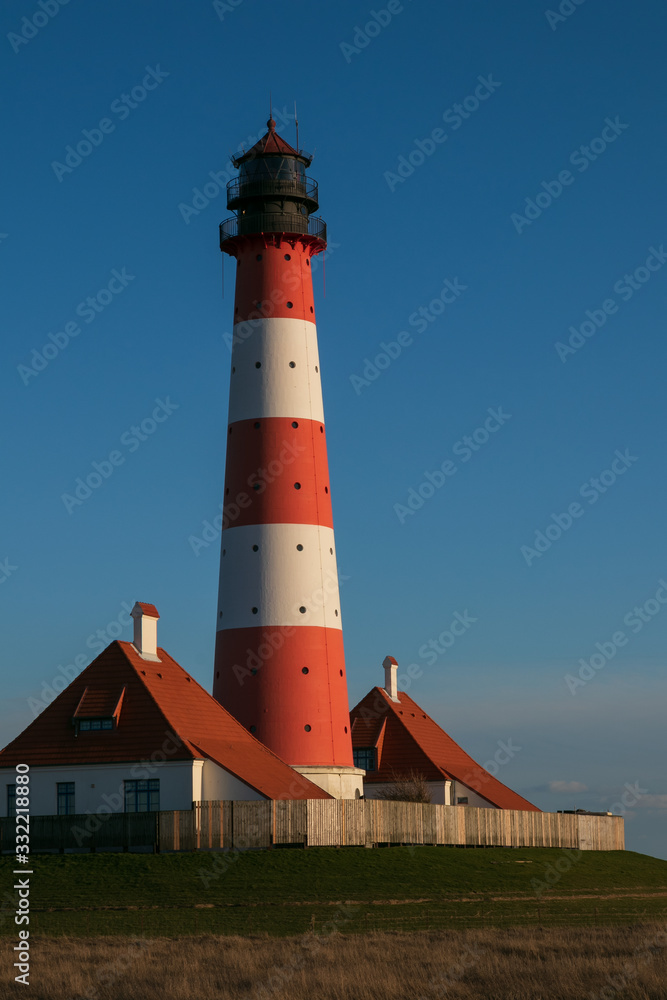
point(538, 198)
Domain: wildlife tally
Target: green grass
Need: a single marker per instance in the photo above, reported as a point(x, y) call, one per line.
point(289, 891)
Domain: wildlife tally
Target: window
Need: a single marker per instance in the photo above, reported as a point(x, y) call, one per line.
point(462, 800)
point(142, 796)
point(364, 757)
point(87, 724)
point(11, 800)
point(65, 798)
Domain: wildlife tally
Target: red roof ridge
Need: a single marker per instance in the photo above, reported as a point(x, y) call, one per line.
point(436, 746)
point(148, 609)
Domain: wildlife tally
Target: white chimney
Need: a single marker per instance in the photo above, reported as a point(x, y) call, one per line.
point(145, 630)
point(390, 677)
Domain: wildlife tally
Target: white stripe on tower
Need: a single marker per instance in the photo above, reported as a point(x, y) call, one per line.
point(280, 665)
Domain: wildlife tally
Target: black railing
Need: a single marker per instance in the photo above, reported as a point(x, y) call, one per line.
point(247, 188)
point(277, 222)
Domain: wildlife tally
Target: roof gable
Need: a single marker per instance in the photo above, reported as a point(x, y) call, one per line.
point(166, 714)
point(412, 740)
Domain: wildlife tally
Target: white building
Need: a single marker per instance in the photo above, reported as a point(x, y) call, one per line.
point(134, 732)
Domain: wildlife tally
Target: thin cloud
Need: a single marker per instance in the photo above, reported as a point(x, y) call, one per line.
point(569, 787)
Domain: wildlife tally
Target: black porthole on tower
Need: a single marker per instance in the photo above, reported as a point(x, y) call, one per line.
point(258, 364)
point(255, 548)
point(227, 491)
point(253, 729)
point(307, 728)
point(297, 486)
point(233, 370)
point(321, 429)
point(341, 673)
point(299, 547)
point(346, 729)
point(307, 263)
point(295, 423)
point(316, 368)
point(331, 551)
point(220, 615)
point(304, 670)
point(217, 674)
point(254, 611)
point(292, 364)
point(256, 424)
point(311, 309)
point(256, 486)
point(253, 671)
point(258, 257)
point(230, 430)
point(288, 256)
point(290, 305)
point(302, 610)
point(224, 552)
point(326, 489)
point(336, 612)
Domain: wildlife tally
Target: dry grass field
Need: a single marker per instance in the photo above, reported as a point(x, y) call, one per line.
point(489, 964)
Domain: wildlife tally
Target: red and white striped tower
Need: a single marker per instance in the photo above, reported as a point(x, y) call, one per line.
point(279, 660)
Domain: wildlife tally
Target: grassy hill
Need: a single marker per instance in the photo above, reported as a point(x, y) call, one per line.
point(352, 889)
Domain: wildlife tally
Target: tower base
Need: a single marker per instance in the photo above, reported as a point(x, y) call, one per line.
point(340, 782)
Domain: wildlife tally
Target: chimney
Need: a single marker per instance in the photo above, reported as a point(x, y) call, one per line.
point(145, 630)
point(390, 677)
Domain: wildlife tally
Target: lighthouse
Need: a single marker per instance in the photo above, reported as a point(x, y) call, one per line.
point(279, 659)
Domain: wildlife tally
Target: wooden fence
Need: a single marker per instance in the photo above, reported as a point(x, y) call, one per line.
point(318, 823)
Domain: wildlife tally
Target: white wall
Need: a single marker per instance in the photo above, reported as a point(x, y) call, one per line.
point(99, 787)
point(220, 784)
point(459, 790)
point(442, 793)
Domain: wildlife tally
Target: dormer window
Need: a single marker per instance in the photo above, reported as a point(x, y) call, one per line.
point(84, 725)
point(98, 709)
point(364, 757)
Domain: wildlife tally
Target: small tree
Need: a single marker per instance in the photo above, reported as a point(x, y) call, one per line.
point(410, 787)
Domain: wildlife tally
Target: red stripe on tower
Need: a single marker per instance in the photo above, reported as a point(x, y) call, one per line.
point(279, 660)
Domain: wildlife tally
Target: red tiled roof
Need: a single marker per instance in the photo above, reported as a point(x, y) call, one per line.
point(100, 703)
point(163, 708)
point(411, 740)
point(270, 143)
point(149, 609)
